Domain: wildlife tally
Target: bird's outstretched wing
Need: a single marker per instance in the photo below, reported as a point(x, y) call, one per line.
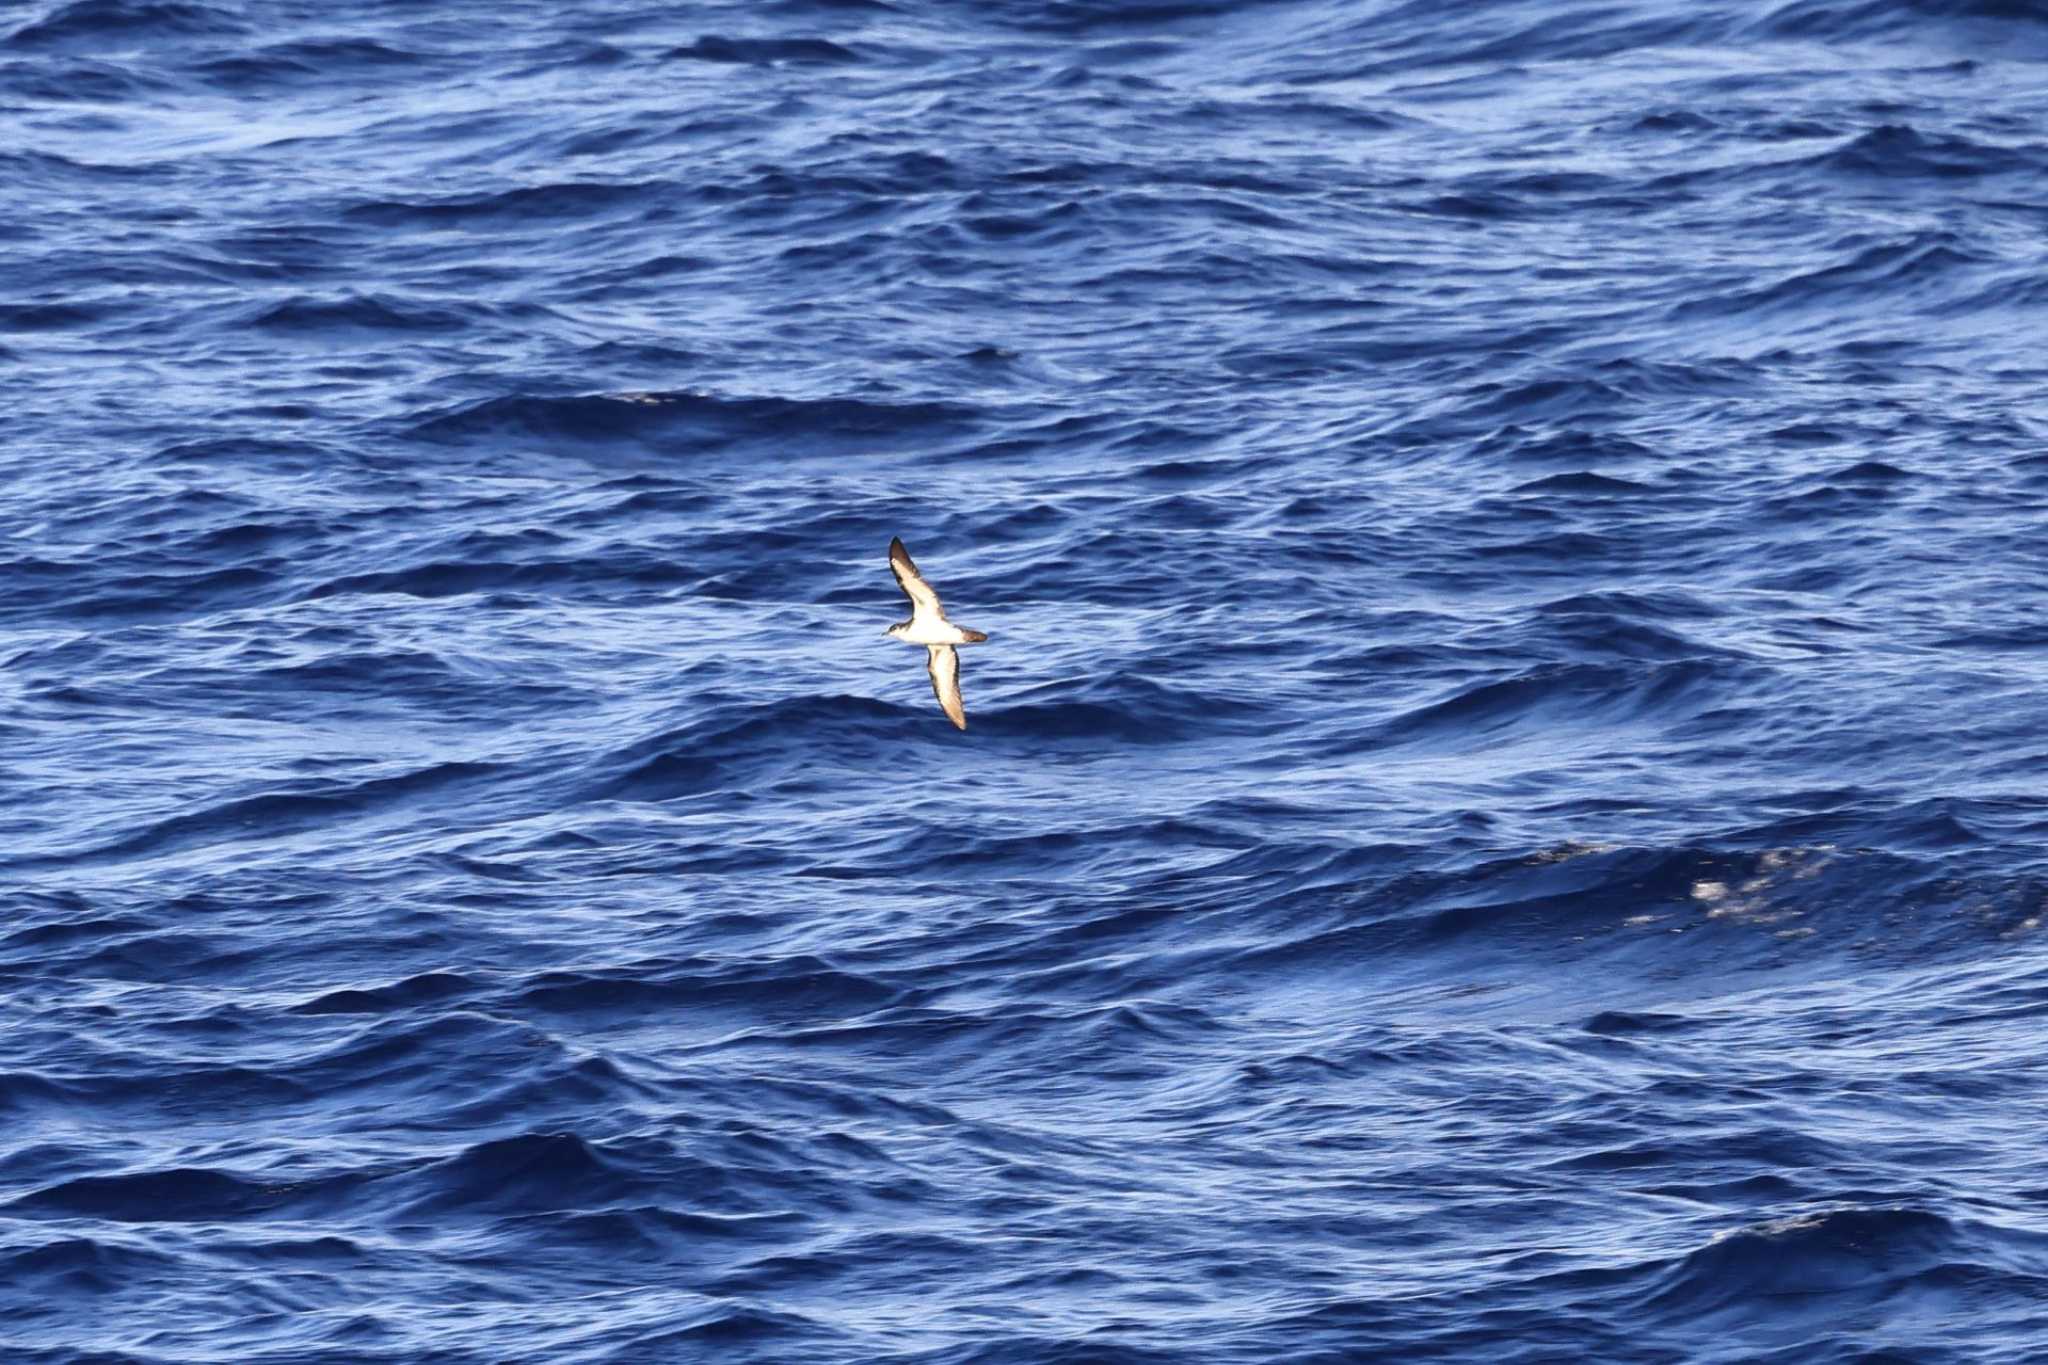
point(944, 666)
point(922, 598)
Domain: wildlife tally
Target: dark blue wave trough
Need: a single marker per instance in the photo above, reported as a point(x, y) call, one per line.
point(1503, 813)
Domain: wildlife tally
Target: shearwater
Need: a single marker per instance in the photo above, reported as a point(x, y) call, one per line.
point(929, 627)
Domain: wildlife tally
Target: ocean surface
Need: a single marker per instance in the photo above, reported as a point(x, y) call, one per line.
point(1502, 817)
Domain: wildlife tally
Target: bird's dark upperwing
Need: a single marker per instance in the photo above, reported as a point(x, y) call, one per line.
point(922, 598)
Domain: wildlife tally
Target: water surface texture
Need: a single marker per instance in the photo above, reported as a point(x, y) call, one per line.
point(1502, 814)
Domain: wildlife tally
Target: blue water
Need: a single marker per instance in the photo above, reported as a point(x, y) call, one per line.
point(1502, 818)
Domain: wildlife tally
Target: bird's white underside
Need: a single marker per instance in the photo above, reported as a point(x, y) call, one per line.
point(924, 630)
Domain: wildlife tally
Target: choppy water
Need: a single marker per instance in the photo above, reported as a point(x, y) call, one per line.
point(1502, 818)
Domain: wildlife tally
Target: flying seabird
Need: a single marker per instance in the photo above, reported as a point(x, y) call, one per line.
point(929, 627)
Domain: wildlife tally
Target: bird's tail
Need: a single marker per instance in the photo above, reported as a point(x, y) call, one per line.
point(973, 637)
